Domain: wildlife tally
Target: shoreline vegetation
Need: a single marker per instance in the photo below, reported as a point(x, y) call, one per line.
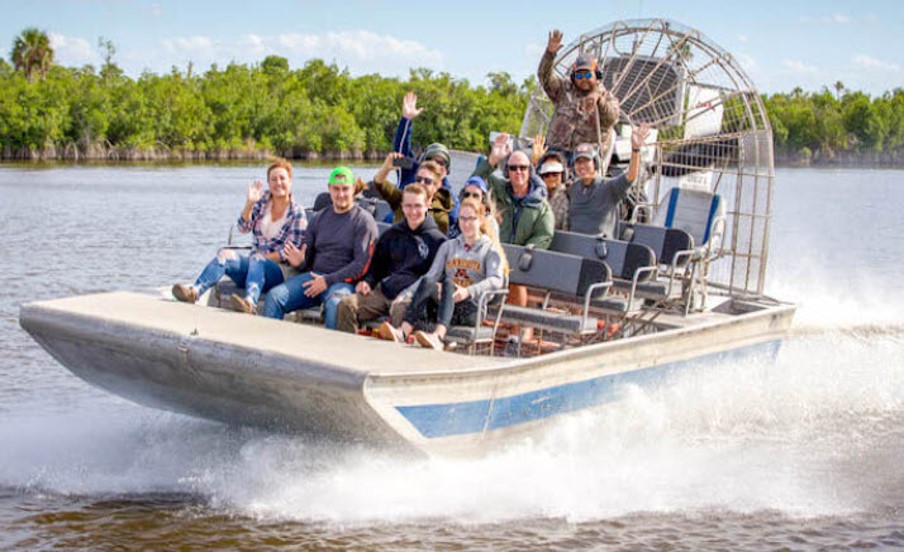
point(320, 112)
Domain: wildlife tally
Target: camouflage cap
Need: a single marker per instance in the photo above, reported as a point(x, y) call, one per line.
point(585, 61)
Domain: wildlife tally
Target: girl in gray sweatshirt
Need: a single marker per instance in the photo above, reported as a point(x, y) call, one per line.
point(447, 295)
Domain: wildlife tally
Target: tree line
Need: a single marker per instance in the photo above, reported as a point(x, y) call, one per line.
point(320, 110)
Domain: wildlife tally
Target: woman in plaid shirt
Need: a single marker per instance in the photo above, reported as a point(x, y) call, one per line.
point(275, 220)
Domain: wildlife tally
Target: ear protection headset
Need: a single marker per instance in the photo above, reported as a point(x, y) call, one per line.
point(593, 67)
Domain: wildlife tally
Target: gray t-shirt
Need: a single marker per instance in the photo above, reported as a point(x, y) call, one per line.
point(340, 244)
point(593, 209)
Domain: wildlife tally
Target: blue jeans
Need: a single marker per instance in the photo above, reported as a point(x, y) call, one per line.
point(289, 296)
point(425, 311)
point(254, 272)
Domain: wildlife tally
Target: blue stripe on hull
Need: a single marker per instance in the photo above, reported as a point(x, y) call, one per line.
point(444, 420)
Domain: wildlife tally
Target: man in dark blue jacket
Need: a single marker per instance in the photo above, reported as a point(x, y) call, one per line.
point(403, 254)
point(435, 151)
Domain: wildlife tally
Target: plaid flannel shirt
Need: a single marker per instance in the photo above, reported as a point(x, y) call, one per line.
point(292, 229)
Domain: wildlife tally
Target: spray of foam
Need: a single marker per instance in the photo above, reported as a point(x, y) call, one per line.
point(813, 434)
point(845, 299)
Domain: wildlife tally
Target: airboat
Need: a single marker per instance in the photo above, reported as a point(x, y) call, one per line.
point(684, 287)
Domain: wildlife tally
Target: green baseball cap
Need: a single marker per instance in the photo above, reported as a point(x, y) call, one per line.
point(342, 175)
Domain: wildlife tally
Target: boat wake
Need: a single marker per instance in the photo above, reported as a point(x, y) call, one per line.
point(816, 433)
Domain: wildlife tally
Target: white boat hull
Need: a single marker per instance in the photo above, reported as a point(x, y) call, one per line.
point(241, 369)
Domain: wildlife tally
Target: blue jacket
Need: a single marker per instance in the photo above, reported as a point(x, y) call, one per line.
point(402, 144)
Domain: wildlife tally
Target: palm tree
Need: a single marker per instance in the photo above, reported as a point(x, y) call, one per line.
point(839, 88)
point(32, 53)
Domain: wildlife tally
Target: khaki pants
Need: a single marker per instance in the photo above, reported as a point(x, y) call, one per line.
point(357, 309)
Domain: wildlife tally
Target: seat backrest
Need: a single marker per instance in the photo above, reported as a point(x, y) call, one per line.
point(623, 258)
point(382, 227)
point(694, 211)
point(551, 270)
point(665, 242)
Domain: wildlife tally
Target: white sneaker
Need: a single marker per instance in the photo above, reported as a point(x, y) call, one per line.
point(429, 340)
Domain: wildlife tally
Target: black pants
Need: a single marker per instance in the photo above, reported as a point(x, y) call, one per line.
point(425, 311)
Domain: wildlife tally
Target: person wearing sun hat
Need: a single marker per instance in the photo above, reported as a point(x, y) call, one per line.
point(334, 256)
point(552, 170)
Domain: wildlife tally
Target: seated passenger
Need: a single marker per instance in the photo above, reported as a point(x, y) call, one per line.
point(594, 201)
point(402, 255)
point(553, 170)
point(525, 216)
point(276, 222)
point(429, 175)
point(337, 248)
point(436, 152)
point(464, 267)
point(476, 187)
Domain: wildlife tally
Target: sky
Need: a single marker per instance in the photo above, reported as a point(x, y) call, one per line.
point(781, 44)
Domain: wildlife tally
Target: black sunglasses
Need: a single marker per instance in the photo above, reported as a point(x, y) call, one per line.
point(518, 167)
point(466, 195)
point(424, 179)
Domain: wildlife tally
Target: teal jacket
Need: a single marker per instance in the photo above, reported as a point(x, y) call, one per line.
point(525, 221)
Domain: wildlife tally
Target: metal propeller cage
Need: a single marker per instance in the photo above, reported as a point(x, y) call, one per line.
point(712, 130)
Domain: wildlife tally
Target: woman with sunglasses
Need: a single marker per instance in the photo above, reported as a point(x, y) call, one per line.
point(429, 175)
point(447, 295)
point(584, 110)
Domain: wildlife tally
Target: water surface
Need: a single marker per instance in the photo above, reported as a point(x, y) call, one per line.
point(802, 453)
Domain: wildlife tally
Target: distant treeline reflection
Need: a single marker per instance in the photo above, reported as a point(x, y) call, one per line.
point(319, 110)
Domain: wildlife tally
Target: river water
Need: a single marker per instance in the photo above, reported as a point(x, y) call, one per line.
point(803, 453)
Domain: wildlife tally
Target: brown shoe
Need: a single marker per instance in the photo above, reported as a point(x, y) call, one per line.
point(241, 304)
point(429, 340)
point(185, 294)
point(390, 333)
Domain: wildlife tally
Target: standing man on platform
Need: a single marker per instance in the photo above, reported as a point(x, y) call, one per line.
point(584, 110)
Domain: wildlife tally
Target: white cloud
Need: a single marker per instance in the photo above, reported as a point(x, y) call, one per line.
point(197, 45)
point(361, 51)
point(73, 51)
point(799, 67)
point(838, 19)
point(870, 63)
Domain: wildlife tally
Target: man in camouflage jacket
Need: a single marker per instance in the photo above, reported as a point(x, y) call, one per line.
point(584, 110)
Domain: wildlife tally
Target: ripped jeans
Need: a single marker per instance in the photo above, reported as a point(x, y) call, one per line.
point(254, 272)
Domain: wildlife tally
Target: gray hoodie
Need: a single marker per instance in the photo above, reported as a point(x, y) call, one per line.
point(478, 268)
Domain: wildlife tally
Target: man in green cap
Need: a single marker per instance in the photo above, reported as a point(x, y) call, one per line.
point(335, 254)
point(436, 152)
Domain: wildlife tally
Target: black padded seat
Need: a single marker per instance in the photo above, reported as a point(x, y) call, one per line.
point(467, 334)
point(550, 320)
point(574, 277)
point(624, 258)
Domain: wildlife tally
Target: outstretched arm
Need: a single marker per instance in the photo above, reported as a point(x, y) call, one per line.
point(550, 82)
point(402, 141)
point(638, 139)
